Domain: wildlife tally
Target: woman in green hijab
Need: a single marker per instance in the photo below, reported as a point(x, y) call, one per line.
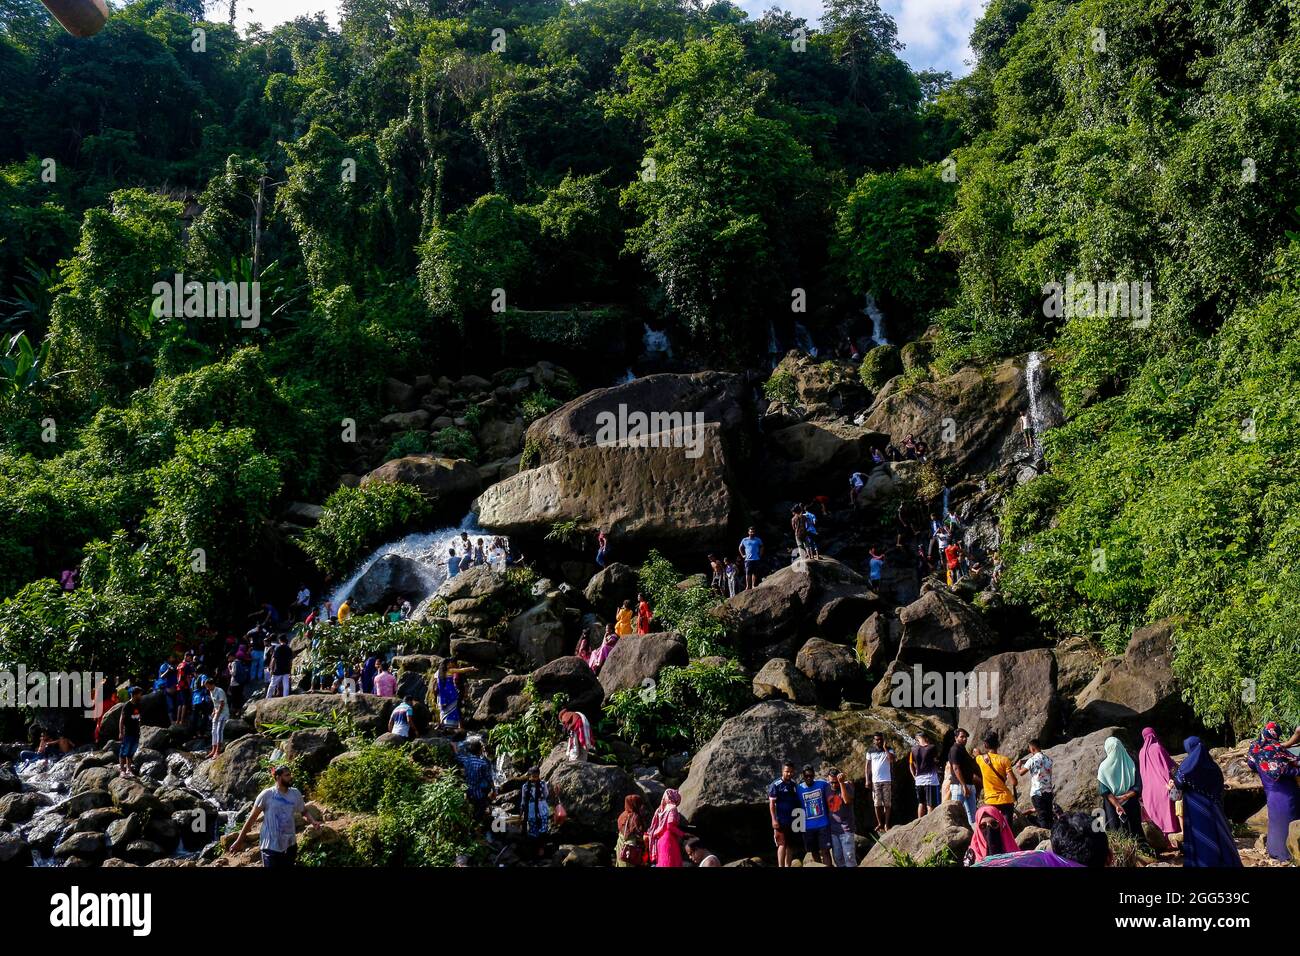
point(1121, 789)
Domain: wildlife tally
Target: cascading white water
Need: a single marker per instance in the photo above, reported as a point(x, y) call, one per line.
point(872, 311)
point(803, 340)
point(427, 549)
point(1034, 391)
point(628, 376)
point(656, 343)
point(773, 345)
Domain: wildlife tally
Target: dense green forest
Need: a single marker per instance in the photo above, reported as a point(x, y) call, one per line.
point(621, 160)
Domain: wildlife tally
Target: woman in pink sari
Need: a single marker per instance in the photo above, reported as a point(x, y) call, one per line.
point(1157, 767)
point(666, 831)
point(602, 652)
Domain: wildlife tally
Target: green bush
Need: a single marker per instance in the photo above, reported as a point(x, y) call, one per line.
point(782, 387)
point(532, 735)
point(684, 708)
point(407, 443)
point(453, 442)
point(880, 365)
point(354, 521)
point(694, 612)
point(369, 778)
point(536, 404)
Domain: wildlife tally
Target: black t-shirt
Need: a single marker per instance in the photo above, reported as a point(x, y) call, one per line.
point(282, 658)
point(960, 758)
point(923, 756)
point(131, 721)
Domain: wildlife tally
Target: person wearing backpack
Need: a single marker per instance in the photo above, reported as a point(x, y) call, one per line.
point(999, 779)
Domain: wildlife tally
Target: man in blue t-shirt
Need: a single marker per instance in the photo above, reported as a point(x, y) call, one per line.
point(751, 549)
point(783, 803)
point(814, 795)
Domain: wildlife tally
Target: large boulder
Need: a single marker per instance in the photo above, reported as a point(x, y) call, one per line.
point(725, 793)
point(1135, 690)
point(804, 598)
point(942, 630)
point(946, 828)
point(1074, 771)
point(671, 490)
point(448, 484)
point(638, 658)
point(592, 795)
point(539, 634)
point(390, 580)
point(1014, 696)
point(610, 587)
point(877, 641)
point(474, 599)
point(779, 679)
point(833, 669)
point(312, 748)
point(802, 455)
point(970, 419)
point(718, 397)
point(369, 711)
point(240, 772)
point(572, 677)
point(503, 701)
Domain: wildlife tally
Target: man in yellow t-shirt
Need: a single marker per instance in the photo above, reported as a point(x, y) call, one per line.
point(999, 778)
point(345, 609)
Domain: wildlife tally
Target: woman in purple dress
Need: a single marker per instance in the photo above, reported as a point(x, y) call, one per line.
point(1278, 769)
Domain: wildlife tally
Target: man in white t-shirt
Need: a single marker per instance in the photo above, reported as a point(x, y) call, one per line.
point(281, 805)
point(220, 714)
point(880, 780)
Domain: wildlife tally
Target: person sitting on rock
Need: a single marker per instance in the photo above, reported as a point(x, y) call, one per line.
point(606, 647)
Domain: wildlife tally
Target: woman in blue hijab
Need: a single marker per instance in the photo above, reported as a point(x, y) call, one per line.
point(1207, 837)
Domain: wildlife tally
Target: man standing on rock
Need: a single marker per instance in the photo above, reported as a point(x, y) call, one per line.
point(282, 805)
point(924, 764)
point(782, 802)
point(1039, 767)
point(281, 665)
point(880, 780)
point(965, 773)
point(128, 731)
point(751, 550)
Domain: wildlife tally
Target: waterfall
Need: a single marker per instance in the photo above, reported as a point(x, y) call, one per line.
point(628, 376)
point(1034, 390)
point(656, 343)
point(803, 340)
point(428, 549)
point(872, 311)
point(773, 345)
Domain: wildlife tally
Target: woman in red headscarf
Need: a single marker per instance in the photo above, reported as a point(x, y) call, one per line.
point(992, 836)
point(667, 830)
point(630, 850)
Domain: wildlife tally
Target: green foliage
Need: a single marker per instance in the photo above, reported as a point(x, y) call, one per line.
point(887, 235)
point(880, 365)
point(407, 443)
point(369, 778)
point(536, 404)
point(454, 442)
point(363, 634)
point(567, 533)
point(781, 386)
point(684, 708)
point(354, 521)
point(694, 612)
point(532, 735)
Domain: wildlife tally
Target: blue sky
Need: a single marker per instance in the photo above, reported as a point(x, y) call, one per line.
point(935, 32)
